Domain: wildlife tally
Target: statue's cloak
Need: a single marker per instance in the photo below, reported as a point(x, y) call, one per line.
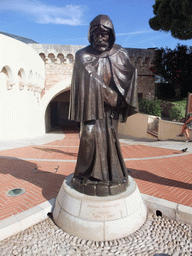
point(87, 95)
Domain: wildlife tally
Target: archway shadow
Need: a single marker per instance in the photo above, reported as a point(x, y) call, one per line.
point(49, 181)
point(150, 177)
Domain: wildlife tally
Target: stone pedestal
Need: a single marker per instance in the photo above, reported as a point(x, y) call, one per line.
point(99, 218)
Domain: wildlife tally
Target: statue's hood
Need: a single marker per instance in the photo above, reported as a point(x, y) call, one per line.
point(106, 22)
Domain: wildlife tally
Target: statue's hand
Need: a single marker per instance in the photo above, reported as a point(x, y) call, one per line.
point(109, 96)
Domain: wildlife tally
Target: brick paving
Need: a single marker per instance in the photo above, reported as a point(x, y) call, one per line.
point(41, 169)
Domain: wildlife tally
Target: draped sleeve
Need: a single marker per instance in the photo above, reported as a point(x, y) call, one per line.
point(125, 78)
point(86, 98)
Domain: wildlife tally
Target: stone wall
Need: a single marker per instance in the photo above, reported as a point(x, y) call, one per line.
point(59, 61)
point(146, 87)
point(54, 73)
point(142, 59)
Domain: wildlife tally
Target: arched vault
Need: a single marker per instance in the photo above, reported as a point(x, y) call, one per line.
point(59, 88)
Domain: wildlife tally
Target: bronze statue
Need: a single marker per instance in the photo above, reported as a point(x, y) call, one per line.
point(103, 92)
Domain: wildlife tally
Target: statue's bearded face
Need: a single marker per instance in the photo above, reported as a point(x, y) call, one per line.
point(100, 37)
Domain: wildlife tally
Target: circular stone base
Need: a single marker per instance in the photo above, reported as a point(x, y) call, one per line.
point(99, 218)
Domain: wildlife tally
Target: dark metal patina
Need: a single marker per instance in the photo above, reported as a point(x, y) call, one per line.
point(103, 92)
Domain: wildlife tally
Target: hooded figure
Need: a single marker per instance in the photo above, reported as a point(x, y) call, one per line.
point(103, 92)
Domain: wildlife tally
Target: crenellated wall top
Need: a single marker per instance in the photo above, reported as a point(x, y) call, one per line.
point(54, 53)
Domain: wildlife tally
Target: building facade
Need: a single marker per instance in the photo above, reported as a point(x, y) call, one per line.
point(22, 79)
point(59, 61)
point(35, 85)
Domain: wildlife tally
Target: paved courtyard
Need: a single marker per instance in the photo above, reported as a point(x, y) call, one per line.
point(39, 166)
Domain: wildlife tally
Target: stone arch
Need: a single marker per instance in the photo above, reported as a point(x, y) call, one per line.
point(42, 55)
point(70, 58)
point(147, 60)
point(139, 61)
point(60, 58)
point(30, 79)
point(132, 59)
point(59, 111)
point(31, 75)
point(9, 76)
point(22, 78)
point(51, 58)
point(35, 80)
point(62, 86)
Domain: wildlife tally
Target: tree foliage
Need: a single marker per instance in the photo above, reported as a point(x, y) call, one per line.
point(174, 66)
point(173, 16)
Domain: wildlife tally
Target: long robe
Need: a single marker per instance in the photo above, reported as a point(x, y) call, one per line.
point(103, 92)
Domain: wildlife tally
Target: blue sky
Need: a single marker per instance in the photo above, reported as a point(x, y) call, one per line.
point(67, 22)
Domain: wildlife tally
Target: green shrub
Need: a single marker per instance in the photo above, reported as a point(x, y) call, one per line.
point(150, 107)
point(144, 106)
point(177, 112)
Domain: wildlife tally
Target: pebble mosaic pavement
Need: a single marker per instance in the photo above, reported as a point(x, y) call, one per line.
point(40, 170)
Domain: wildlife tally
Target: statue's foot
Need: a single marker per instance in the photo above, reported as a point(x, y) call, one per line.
point(99, 188)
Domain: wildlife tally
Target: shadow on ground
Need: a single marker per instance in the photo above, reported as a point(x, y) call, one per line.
point(49, 181)
point(51, 150)
point(150, 177)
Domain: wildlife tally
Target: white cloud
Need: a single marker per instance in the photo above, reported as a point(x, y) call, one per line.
point(46, 14)
point(135, 33)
